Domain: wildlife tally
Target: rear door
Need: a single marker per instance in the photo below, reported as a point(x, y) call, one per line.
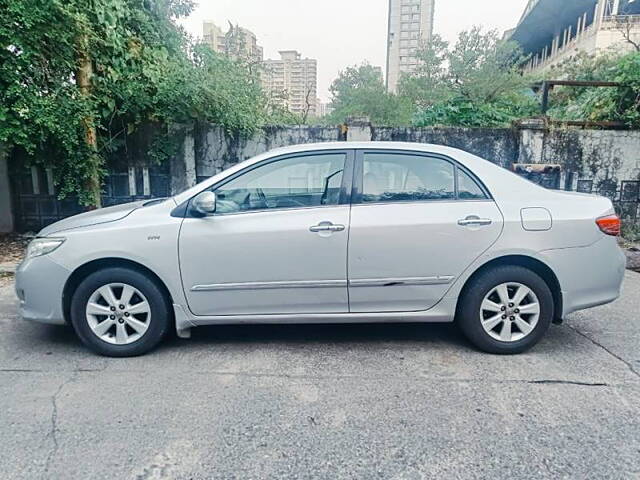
point(417, 222)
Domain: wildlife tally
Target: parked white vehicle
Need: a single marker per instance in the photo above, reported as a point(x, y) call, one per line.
point(327, 233)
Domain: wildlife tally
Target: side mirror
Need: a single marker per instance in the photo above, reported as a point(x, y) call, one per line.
point(204, 203)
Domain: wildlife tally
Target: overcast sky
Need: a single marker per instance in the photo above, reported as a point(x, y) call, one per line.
point(339, 33)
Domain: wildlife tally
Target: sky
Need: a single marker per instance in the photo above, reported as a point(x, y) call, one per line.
point(341, 33)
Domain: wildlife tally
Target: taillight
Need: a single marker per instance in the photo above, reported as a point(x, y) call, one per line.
point(610, 225)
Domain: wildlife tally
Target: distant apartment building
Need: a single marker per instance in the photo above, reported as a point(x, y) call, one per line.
point(551, 31)
point(323, 108)
point(213, 36)
point(410, 24)
point(292, 82)
point(236, 42)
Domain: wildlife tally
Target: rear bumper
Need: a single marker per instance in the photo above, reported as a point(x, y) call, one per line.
point(588, 276)
point(39, 285)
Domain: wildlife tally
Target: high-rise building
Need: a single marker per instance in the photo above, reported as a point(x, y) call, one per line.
point(237, 42)
point(292, 82)
point(242, 43)
point(410, 24)
point(213, 36)
point(551, 32)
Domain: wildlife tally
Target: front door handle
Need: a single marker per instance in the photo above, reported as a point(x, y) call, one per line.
point(474, 220)
point(326, 227)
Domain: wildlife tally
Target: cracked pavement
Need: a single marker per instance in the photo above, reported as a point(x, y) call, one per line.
point(348, 401)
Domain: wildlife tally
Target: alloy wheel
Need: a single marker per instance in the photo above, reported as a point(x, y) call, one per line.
point(118, 313)
point(509, 312)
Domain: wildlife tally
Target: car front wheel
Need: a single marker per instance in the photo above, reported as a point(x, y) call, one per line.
point(506, 310)
point(120, 312)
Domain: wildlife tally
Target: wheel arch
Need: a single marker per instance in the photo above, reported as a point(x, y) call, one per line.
point(533, 264)
point(88, 268)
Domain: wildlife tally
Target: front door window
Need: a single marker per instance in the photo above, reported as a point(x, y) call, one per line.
point(296, 182)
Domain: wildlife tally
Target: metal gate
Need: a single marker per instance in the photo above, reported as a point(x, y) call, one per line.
point(36, 203)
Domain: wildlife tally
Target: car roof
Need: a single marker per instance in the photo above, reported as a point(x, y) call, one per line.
point(427, 147)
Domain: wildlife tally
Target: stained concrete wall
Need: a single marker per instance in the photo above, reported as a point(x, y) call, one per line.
point(599, 155)
point(216, 150)
point(499, 145)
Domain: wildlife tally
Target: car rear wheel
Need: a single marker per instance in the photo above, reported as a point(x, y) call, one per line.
point(506, 310)
point(119, 312)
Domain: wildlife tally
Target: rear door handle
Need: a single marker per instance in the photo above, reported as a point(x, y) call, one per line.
point(327, 227)
point(474, 220)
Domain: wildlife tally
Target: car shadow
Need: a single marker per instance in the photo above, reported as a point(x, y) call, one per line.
point(331, 334)
point(49, 338)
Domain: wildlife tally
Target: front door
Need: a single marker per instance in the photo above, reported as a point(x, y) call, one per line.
point(417, 222)
point(277, 243)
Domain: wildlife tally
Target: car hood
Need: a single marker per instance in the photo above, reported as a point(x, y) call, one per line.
point(94, 217)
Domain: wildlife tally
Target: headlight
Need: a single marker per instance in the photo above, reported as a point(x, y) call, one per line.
point(42, 246)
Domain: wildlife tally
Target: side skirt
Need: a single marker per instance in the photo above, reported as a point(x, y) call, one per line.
point(443, 312)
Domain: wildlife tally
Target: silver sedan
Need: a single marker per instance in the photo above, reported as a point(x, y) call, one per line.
point(328, 233)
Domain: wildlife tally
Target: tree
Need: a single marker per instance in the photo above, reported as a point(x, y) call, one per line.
point(484, 68)
point(426, 85)
point(626, 24)
point(79, 77)
point(477, 82)
point(360, 91)
point(309, 101)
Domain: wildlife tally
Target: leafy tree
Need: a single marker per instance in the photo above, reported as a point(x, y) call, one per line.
point(484, 68)
point(477, 82)
point(426, 85)
point(79, 77)
point(360, 91)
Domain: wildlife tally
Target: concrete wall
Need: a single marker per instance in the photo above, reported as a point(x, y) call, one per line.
point(6, 214)
point(599, 155)
point(215, 150)
point(499, 145)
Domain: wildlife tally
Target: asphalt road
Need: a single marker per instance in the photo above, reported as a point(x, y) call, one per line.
point(366, 401)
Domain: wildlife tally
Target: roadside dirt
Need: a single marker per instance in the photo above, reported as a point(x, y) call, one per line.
point(12, 247)
point(633, 258)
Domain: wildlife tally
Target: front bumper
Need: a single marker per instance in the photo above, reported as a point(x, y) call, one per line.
point(588, 276)
point(39, 285)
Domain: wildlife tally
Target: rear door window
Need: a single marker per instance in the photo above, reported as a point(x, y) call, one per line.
point(399, 177)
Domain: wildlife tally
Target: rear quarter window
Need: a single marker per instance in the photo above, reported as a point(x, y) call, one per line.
point(468, 188)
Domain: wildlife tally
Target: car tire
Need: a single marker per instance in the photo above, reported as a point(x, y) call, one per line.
point(492, 315)
point(135, 310)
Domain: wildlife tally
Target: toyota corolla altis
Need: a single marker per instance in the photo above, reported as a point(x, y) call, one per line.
point(328, 233)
